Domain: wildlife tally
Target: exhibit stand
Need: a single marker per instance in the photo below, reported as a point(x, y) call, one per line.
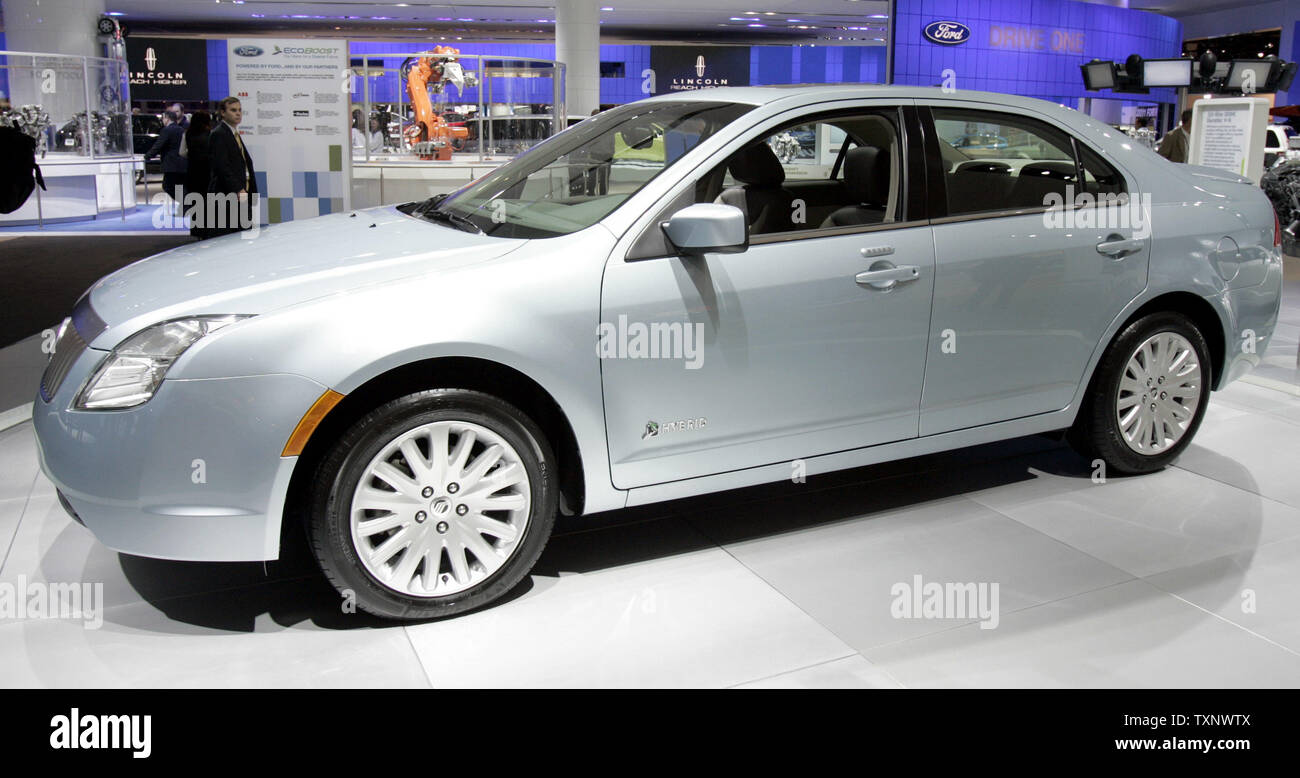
point(79, 189)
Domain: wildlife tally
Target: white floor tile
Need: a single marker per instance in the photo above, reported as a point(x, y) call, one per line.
point(1129, 635)
point(845, 574)
point(1243, 394)
point(141, 646)
point(852, 672)
point(1153, 523)
point(1258, 589)
point(18, 461)
point(688, 615)
point(1257, 452)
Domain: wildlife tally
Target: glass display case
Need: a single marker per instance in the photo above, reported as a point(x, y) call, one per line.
point(464, 107)
point(431, 121)
point(78, 110)
point(85, 98)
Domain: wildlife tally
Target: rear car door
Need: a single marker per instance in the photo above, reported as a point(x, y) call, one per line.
point(1030, 265)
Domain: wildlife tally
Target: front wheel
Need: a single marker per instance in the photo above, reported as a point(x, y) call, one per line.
point(1148, 396)
point(433, 504)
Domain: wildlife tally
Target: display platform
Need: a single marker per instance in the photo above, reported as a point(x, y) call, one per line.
point(79, 189)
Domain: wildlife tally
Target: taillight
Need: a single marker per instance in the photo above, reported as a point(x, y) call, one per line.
point(1277, 230)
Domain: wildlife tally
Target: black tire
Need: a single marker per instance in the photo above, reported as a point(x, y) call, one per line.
point(1096, 433)
point(340, 471)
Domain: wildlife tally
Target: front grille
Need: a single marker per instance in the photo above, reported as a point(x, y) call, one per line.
point(66, 350)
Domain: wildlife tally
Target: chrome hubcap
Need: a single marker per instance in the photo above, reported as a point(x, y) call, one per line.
point(1158, 393)
point(440, 508)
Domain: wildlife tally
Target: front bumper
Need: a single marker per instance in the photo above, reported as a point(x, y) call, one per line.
point(193, 474)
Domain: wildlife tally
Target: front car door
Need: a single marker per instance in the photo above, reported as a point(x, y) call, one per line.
point(794, 351)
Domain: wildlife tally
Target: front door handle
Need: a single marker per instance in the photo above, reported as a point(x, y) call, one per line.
point(884, 275)
point(1118, 247)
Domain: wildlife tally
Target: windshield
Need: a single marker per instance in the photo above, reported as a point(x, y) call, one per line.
point(576, 178)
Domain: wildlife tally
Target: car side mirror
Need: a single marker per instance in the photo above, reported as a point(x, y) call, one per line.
point(708, 228)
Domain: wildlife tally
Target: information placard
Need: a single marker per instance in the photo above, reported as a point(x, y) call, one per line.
point(296, 124)
point(1229, 134)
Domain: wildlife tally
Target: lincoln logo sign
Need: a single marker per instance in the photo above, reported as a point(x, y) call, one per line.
point(947, 33)
point(150, 58)
point(699, 66)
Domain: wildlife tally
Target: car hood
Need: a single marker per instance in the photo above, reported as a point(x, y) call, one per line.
point(283, 265)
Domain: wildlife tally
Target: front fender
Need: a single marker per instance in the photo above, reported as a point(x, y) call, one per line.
point(535, 311)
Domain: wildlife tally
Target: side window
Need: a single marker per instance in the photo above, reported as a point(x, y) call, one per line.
point(837, 170)
point(998, 162)
point(1098, 176)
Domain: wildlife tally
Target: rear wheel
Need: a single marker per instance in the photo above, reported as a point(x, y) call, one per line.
point(1148, 396)
point(433, 504)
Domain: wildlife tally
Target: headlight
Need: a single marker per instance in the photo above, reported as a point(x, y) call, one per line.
point(131, 374)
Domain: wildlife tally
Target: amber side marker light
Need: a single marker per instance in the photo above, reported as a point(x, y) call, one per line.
point(310, 420)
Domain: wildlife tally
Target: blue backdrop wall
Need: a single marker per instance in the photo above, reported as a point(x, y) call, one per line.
point(1028, 47)
point(768, 65)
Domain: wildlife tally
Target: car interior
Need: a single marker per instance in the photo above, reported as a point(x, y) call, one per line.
point(857, 182)
point(1011, 163)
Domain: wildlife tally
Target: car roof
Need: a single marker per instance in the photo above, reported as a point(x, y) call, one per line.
point(804, 94)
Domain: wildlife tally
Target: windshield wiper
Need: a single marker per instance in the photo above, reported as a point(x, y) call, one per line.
point(432, 202)
point(456, 220)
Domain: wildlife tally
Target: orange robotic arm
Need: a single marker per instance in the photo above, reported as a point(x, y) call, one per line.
point(429, 132)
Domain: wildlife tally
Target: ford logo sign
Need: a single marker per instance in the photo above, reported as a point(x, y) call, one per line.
point(947, 33)
point(251, 51)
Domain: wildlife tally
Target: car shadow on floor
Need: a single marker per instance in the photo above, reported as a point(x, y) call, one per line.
point(290, 591)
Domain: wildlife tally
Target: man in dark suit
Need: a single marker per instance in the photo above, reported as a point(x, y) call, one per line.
point(168, 147)
point(232, 171)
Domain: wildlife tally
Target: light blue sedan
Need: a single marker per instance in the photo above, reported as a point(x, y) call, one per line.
point(650, 306)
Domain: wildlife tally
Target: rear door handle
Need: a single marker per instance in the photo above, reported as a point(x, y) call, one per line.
point(1118, 247)
point(885, 275)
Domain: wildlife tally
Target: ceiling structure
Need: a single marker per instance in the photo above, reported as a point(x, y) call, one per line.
point(1177, 8)
point(857, 22)
point(826, 22)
